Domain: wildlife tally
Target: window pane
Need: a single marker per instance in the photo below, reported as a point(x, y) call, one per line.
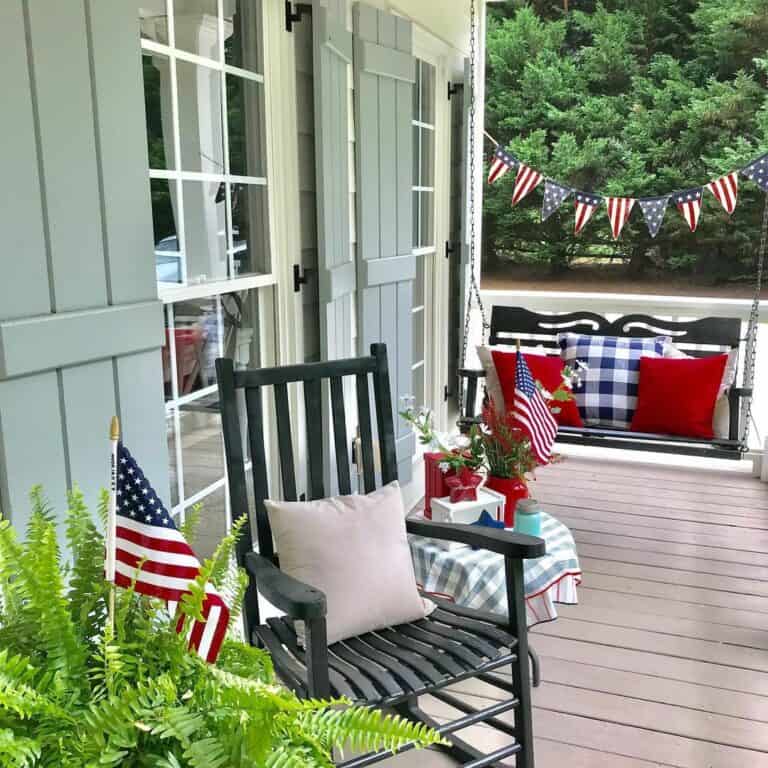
point(427, 158)
point(418, 385)
point(172, 472)
point(245, 120)
point(250, 233)
point(154, 23)
point(416, 160)
point(427, 93)
point(426, 223)
point(197, 343)
point(418, 283)
point(418, 336)
point(200, 118)
point(156, 87)
point(241, 336)
point(202, 448)
point(242, 35)
point(416, 198)
point(167, 256)
point(197, 27)
point(416, 85)
point(212, 527)
point(205, 241)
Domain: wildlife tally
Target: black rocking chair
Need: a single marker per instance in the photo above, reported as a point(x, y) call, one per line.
point(389, 668)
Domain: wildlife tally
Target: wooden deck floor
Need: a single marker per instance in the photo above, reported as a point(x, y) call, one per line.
point(665, 660)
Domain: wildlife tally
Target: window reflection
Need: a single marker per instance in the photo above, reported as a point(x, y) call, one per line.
point(242, 20)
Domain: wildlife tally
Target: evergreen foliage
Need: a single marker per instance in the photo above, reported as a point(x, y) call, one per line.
point(628, 98)
point(77, 692)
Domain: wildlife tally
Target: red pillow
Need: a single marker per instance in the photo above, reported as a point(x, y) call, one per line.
point(677, 397)
point(546, 370)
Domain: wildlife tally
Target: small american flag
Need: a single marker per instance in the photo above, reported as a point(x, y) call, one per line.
point(145, 531)
point(527, 180)
point(501, 163)
point(726, 190)
point(757, 171)
point(619, 209)
point(586, 204)
point(532, 413)
point(689, 204)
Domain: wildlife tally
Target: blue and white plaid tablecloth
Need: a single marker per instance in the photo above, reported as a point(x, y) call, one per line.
point(475, 577)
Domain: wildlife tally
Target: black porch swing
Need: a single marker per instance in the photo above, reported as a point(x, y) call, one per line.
point(716, 334)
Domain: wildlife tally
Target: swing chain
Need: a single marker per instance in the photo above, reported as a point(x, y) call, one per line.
point(474, 289)
point(752, 331)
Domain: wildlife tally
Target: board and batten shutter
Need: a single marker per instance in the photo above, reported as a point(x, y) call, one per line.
point(336, 261)
point(384, 74)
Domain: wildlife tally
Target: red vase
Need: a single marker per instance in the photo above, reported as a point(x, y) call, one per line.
point(513, 490)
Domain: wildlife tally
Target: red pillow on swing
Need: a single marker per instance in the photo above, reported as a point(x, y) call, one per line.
point(678, 396)
point(548, 371)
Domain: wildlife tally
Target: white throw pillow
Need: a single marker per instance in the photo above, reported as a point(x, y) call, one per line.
point(492, 383)
point(355, 549)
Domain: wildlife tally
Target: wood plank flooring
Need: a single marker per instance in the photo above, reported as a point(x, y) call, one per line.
point(665, 660)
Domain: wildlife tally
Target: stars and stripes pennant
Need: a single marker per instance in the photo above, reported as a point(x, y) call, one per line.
point(501, 163)
point(653, 209)
point(554, 196)
point(150, 553)
point(527, 180)
point(619, 209)
point(726, 190)
point(689, 204)
point(757, 171)
point(532, 413)
point(586, 204)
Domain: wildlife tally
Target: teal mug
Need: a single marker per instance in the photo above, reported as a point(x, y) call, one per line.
point(528, 517)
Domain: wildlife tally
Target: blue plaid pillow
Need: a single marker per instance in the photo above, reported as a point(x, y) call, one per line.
point(607, 393)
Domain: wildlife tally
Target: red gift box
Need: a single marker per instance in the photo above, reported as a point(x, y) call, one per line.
point(434, 481)
point(463, 487)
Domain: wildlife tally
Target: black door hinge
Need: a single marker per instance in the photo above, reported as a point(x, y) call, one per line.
point(446, 393)
point(454, 88)
point(291, 16)
point(449, 249)
point(298, 278)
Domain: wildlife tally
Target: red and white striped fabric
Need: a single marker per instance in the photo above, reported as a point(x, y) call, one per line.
point(586, 205)
point(726, 190)
point(619, 209)
point(501, 163)
point(527, 180)
point(151, 554)
point(689, 204)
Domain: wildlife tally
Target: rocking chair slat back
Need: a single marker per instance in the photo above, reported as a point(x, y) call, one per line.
point(321, 401)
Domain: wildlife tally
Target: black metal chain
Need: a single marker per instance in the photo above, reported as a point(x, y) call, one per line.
point(753, 327)
point(474, 289)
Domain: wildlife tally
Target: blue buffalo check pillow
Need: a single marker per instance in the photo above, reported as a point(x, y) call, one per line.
point(607, 393)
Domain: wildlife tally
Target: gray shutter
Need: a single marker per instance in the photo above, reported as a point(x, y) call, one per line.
point(336, 265)
point(384, 76)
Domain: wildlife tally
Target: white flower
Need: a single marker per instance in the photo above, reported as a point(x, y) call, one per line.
point(545, 393)
point(462, 441)
point(444, 466)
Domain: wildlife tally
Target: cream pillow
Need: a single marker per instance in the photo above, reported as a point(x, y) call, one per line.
point(355, 549)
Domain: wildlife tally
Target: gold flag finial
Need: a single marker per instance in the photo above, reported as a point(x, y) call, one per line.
point(114, 428)
point(517, 344)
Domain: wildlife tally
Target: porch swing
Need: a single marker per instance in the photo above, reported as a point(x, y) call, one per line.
point(697, 338)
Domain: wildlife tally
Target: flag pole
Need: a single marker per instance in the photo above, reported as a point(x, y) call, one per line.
point(109, 562)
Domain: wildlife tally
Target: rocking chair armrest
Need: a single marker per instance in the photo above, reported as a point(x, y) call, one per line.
point(742, 391)
point(507, 543)
point(472, 373)
point(297, 599)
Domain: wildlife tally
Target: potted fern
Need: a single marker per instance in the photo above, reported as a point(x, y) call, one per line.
point(80, 688)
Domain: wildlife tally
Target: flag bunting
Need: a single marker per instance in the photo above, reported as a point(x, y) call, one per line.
point(527, 180)
point(586, 204)
point(726, 190)
point(689, 204)
point(554, 196)
point(501, 163)
point(619, 209)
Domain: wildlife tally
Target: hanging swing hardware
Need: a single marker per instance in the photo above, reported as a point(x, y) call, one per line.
point(449, 249)
point(299, 279)
point(293, 17)
point(446, 393)
point(454, 88)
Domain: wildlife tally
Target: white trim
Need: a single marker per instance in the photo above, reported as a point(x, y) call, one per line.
point(419, 124)
point(183, 506)
point(198, 394)
point(422, 189)
point(417, 365)
point(418, 309)
point(160, 173)
point(169, 293)
point(425, 250)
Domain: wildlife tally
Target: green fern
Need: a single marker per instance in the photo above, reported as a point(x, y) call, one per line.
point(80, 691)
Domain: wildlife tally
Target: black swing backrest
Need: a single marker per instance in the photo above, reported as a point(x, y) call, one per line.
point(706, 336)
point(320, 381)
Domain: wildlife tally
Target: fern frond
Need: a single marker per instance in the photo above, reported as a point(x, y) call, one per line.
point(17, 751)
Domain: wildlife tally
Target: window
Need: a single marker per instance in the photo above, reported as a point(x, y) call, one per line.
point(206, 128)
point(423, 123)
point(204, 98)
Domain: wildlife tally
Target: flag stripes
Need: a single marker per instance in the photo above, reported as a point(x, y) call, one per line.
point(526, 181)
point(619, 209)
point(586, 205)
point(689, 204)
point(726, 190)
point(501, 163)
point(532, 413)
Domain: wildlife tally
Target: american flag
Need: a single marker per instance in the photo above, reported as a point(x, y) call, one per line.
point(757, 171)
point(689, 204)
point(726, 190)
point(532, 413)
point(554, 195)
point(145, 531)
point(527, 180)
point(586, 205)
point(619, 209)
point(653, 209)
point(501, 163)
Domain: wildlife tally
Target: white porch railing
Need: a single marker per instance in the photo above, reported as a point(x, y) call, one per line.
point(613, 305)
